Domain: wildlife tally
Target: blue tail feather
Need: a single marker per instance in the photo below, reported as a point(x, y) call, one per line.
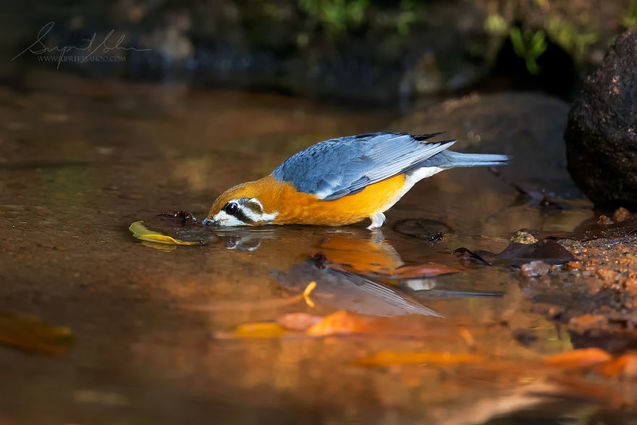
point(449, 159)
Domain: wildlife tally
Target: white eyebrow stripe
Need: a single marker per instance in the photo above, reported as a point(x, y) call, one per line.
point(254, 216)
point(225, 219)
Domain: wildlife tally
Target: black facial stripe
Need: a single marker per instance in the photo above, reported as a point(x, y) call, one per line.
point(241, 216)
point(252, 207)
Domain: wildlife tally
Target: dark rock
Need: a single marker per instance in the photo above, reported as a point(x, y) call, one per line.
point(530, 127)
point(546, 251)
point(601, 137)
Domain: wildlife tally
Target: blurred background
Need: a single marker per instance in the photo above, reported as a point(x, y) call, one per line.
point(371, 52)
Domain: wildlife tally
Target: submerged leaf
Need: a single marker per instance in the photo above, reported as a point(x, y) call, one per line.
point(470, 257)
point(424, 270)
point(624, 366)
point(30, 333)
point(340, 323)
point(141, 232)
point(578, 359)
point(389, 358)
point(298, 321)
point(260, 330)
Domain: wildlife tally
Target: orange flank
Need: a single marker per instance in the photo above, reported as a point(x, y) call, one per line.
point(362, 256)
point(303, 208)
point(375, 259)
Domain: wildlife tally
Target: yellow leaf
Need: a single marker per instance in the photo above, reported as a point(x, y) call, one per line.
point(30, 333)
point(388, 358)
point(141, 232)
point(306, 294)
point(260, 330)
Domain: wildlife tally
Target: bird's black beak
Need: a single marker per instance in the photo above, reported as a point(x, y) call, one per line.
point(209, 222)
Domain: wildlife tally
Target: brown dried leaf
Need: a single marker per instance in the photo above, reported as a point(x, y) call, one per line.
point(578, 359)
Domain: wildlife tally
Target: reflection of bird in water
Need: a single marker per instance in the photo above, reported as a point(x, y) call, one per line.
point(341, 181)
point(377, 259)
point(366, 276)
point(353, 269)
point(348, 291)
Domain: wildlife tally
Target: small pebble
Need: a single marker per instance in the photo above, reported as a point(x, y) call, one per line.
point(621, 214)
point(535, 269)
point(604, 220)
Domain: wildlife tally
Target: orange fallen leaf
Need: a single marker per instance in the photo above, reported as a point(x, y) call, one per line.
point(340, 323)
point(298, 321)
point(578, 359)
point(620, 367)
point(389, 358)
point(421, 270)
point(260, 330)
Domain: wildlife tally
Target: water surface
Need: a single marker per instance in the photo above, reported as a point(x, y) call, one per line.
point(80, 160)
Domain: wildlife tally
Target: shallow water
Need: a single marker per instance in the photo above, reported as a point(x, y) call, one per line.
point(81, 160)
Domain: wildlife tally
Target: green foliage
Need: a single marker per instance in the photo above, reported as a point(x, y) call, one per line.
point(496, 25)
point(630, 21)
point(569, 38)
point(337, 16)
point(529, 46)
point(406, 17)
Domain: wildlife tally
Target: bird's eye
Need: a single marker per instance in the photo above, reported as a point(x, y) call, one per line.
point(231, 208)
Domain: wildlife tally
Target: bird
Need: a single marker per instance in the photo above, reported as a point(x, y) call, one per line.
point(341, 181)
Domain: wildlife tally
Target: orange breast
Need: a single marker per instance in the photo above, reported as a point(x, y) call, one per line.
point(303, 208)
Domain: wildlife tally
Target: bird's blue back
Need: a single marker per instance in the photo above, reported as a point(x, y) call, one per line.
point(338, 167)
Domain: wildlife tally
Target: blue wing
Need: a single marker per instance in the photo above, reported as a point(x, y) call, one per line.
point(338, 167)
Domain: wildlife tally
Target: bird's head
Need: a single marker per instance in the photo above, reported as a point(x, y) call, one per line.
point(238, 206)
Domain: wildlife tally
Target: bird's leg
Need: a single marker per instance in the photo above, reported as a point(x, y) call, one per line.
point(377, 221)
point(377, 236)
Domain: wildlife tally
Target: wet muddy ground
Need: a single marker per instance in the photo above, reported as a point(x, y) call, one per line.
point(442, 317)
